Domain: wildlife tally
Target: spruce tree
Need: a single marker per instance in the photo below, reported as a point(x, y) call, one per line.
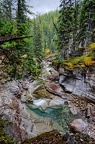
point(87, 22)
point(13, 28)
point(7, 8)
point(65, 26)
point(37, 41)
point(75, 25)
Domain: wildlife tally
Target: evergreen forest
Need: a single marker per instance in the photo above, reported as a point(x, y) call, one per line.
point(25, 42)
point(68, 33)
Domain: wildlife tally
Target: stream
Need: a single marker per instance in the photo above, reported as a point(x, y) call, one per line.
point(59, 114)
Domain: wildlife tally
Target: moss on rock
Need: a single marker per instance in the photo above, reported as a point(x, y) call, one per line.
point(41, 92)
point(54, 137)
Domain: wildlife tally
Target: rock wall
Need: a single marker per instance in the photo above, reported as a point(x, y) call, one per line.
point(79, 82)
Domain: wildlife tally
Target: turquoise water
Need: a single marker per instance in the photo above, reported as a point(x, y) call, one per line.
point(59, 114)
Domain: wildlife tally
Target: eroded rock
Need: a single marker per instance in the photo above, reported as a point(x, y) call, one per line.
point(79, 82)
point(54, 88)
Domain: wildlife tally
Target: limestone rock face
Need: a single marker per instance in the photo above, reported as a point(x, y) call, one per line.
point(79, 82)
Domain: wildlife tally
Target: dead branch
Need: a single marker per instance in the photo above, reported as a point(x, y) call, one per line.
point(12, 39)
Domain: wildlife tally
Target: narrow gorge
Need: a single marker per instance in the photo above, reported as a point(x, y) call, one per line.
point(59, 100)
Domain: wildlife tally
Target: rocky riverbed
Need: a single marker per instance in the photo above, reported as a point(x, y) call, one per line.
point(59, 100)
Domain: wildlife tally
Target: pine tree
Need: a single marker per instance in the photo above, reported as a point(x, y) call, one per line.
point(87, 22)
point(13, 50)
point(75, 25)
point(65, 26)
point(37, 41)
point(7, 8)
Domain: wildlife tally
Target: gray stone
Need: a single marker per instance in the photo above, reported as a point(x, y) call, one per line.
point(25, 84)
point(79, 125)
point(61, 71)
point(78, 83)
point(62, 78)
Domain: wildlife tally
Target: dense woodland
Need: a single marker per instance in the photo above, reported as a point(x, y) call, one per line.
point(25, 42)
point(76, 33)
point(44, 34)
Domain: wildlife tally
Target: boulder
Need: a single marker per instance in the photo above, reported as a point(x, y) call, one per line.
point(57, 101)
point(79, 125)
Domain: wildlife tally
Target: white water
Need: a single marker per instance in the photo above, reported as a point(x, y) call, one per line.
point(39, 102)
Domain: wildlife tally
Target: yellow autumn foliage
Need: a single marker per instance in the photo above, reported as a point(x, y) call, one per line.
point(47, 51)
point(91, 46)
point(88, 60)
point(69, 66)
point(24, 56)
point(55, 20)
point(79, 62)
